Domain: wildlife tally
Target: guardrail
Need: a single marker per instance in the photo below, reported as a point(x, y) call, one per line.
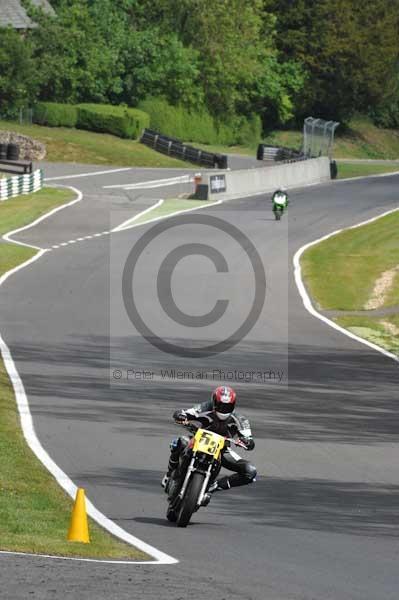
point(21, 184)
point(174, 147)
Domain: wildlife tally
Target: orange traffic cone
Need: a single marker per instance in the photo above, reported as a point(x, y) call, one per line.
point(79, 528)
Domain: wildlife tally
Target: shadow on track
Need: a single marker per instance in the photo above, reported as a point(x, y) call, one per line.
point(333, 395)
point(318, 505)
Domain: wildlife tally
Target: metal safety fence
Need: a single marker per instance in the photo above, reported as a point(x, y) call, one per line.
point(318, 137)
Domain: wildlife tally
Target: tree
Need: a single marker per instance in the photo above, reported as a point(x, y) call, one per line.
point(347, 52)
point(157, 64)
point(18, 78)
point(75, 58)
point(227, 36)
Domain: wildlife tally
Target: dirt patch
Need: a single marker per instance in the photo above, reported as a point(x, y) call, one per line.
point(381, 289)
point(391, 328)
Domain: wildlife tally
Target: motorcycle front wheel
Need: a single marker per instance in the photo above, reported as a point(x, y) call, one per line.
point(190, 499)
point(171, 515)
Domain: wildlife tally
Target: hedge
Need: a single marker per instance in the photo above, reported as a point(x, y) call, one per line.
point(118, 120)
point(55, 115)
point(200, 126)
point(174, 121)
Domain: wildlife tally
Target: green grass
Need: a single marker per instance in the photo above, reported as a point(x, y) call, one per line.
point(22, 210)
point(75, 145)
point(34, 510)
point(287, 139)
point(11, 256)
point(393, 294)
point(361, 139)
point(346, 170)
point(341, 271)
point(375, 330)
point(170, 207)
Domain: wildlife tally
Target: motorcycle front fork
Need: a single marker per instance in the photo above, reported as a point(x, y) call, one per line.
point(190, 470)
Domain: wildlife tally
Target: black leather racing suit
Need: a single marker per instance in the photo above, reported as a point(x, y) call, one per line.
point(234, 426)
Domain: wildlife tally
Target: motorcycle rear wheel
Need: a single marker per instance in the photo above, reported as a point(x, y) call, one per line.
point(190, 499)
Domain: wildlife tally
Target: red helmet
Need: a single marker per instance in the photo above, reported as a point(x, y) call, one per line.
point(224, 402)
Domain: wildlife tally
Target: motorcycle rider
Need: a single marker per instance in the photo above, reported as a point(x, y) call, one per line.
point(217, 415)
point(280, 197)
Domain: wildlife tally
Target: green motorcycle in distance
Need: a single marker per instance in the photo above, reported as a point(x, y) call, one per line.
point(280, 203)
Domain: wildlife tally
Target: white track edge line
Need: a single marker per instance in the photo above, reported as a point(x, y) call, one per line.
point(126, 223)
point(305, 296)
point(87, 174)
point(33, 442)
point(161, 217)
point(78, 559)
point(152, 183)
point(8, 235)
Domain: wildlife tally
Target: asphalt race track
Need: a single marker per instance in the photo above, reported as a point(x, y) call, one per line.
point(321, 522)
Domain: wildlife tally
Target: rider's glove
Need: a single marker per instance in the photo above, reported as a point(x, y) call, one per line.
point(249, 443)
point(180, 416)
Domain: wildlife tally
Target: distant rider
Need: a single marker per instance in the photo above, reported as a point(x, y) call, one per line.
point(280, 197)
point(217, 415)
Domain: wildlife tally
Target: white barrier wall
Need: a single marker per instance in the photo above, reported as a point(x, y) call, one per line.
point(237, 184)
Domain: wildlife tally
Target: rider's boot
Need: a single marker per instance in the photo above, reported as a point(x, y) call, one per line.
point(216, 486)
point(171, 467)
point(166, 477)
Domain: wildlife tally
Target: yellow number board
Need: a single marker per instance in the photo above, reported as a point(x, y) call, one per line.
point(208, 442)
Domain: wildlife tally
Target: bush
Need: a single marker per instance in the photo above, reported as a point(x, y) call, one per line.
point(386, 115)
point(118, 120)
point(247, 131)
point(200, 126)
point(55, 115)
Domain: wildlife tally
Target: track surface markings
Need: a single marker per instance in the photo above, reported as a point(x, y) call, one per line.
point(30, 434)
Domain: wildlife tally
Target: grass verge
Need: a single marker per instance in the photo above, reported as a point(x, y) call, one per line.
point(381, 331)
point(22, 210)
point(361, 139)
point(34, 510)
point(75, 145)
point(347, 170)
point(171, 206)
point(341, 271)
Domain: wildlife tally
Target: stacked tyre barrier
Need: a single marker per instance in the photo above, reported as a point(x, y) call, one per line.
point(175, 148)
point(21, 184)
point(9, 151)
point(278, 154)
